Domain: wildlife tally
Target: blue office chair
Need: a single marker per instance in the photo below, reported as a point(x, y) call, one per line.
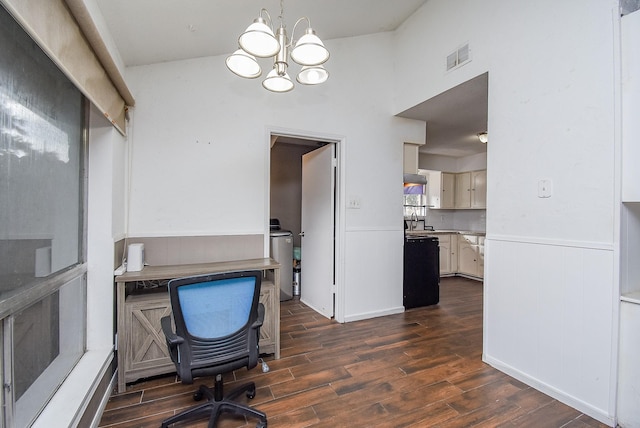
point(217, 319)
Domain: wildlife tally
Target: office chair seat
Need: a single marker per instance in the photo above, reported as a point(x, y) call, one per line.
point(217, 320)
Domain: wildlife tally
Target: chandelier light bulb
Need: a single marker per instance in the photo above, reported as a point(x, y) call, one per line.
point(312, 75)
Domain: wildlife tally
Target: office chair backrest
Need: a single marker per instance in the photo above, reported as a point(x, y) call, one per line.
point(214, 314)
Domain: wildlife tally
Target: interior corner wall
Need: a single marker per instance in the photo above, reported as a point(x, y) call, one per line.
point(550, 263)
point(200, 146)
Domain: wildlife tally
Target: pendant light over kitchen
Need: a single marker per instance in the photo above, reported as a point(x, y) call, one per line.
point(260, 41)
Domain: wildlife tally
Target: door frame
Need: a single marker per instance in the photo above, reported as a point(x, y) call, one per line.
point(340, 208)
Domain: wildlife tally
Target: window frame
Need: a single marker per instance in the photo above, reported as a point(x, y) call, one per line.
point(23, 298)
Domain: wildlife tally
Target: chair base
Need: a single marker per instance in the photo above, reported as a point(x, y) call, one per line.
point(214, 408)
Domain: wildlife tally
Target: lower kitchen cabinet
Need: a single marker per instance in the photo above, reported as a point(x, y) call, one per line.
point(461, 254)
point(448, 254)
point(471, 255)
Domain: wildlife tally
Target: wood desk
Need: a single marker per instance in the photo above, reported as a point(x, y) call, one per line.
point(142, 300)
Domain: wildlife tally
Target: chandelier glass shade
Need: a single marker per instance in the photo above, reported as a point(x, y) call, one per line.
point(277, 83)
point(259, 40)
point(310, 50)
point(244, 64)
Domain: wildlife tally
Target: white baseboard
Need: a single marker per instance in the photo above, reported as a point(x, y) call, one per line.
point(375, 314)
point(561, 396)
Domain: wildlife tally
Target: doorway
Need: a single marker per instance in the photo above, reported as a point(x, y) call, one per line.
point(291, 157)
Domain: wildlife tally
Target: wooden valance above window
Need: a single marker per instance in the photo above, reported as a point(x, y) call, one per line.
point(68, 35)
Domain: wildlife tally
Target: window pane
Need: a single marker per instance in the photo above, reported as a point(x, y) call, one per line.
point(48, 339)
point(40, 163)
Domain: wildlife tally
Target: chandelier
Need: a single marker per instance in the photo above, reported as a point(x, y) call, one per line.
point(259, 40)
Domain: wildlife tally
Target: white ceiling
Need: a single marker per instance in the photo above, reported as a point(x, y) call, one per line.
point(152, 31)
point(454, 119)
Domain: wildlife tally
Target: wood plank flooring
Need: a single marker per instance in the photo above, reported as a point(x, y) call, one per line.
point(421, 368)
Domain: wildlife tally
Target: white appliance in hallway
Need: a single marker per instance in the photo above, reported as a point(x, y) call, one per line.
point(281, 250)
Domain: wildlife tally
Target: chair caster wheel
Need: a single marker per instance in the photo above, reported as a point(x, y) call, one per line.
point(251, 394)
point(261, 425)
point(197, 396)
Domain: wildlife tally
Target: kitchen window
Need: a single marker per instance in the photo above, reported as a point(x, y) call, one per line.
point(415, 201)
point(42, 225)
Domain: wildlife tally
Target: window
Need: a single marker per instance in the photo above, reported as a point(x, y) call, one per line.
point(42, 225)
point(415, 200)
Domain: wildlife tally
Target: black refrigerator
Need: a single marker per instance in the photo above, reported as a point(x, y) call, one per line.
point(421, 284)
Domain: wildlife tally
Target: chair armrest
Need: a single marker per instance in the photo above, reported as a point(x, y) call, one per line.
point(173, 340)
point(260, 318)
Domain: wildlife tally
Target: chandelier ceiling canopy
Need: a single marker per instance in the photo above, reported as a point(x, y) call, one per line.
point(260, 41)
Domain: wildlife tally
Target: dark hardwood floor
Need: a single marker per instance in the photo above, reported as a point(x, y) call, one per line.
point(421, 368)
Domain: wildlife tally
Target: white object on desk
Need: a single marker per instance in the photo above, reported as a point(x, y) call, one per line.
point(135, 257)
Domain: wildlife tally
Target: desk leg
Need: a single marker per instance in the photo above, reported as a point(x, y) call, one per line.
point(276, 277)
point(122, 386)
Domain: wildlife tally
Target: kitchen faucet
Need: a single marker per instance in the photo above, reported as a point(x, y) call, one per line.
point(411, 226)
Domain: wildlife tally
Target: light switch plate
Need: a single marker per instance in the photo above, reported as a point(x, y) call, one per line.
point(545, 188)
point(353, 203)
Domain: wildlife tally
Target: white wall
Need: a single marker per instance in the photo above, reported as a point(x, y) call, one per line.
point(550, 264)
point(200, 153)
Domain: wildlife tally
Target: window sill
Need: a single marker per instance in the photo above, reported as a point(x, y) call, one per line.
point(68, 404)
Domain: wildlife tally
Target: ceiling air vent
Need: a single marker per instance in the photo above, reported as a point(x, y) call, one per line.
point(458, 57)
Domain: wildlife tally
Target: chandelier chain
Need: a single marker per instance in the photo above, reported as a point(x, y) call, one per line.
point(281, 13)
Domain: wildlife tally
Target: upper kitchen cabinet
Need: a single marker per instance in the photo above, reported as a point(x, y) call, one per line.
point(411, 158)
point(440, 189)
point(471, 189)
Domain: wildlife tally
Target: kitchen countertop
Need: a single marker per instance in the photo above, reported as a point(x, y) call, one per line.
point(442, 232)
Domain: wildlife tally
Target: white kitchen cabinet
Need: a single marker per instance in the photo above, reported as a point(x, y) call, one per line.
point(448, 253)
point(481, 256)
point(479, 189)
point(463, 190)
point(471, 189)
point(440, 189)
point(410, 158)
point(444, 243)
point(471, 255)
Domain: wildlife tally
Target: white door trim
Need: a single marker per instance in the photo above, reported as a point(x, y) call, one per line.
point(340, 141)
